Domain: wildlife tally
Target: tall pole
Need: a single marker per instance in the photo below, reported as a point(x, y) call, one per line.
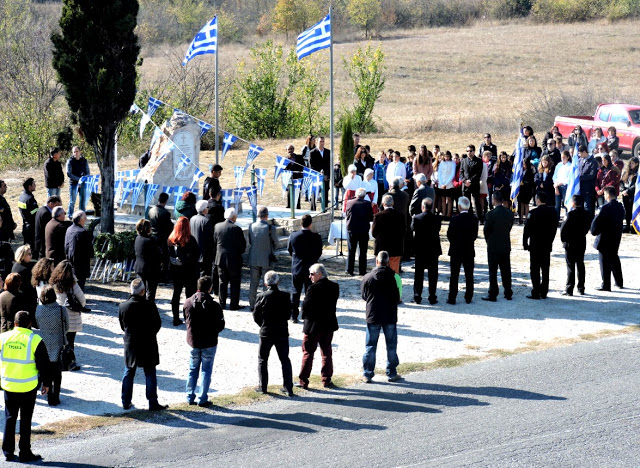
point(216, 92)
point(333, 188)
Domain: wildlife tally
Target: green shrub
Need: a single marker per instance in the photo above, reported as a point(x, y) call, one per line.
point(568, 11)
point(506, 9)
point(346, 145)
point(622, 9)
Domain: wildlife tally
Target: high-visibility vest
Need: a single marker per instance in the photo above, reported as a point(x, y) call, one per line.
point(18, 371)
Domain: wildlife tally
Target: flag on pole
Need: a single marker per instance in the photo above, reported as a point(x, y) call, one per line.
point(227, 142)
point(135, 194)
point(152, 189)
point(281, 165)
point(204, 127)
point(635, 212)
point(261, 175)
point(254, 152)
point(134, 109)
point(318, 183)
point(297, 185)
point(285, 179)
point(573, 185)
point(317, 37)
point(126, 189)
point(252, 195)
point(516, 178)
point(227, 198)
point(167, 189)
point(238, 172)
point(153, 105)
point(237, 196)
point(307, 180)
point(143, 122)
point(205, 42)
point(95, 183)
point(196, 177)
point(177, 194)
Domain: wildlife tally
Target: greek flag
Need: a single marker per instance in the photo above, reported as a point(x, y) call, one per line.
point(126, 189)
point(308, 176)
point(252, 195)
point(254, 152)
point(177, 194)
point(134, 109)
point(184, 162)
point(143, 122)
point(95, 183)
point(167, 189)
point(196, 177)
point(317, 37)
point(135, 194)
point(516, 178)
point(238, 172)
point(286, 178)
point(237, 196)
point(281, 165)
point(227, 198)
point(261, 175)
point(635, 212)
point(318, 183)
point(156, 134)
point(152, 189)
point(204, 127)
point(153, 105)
point(205, 42)
point(297, 185)
point(227, 142)
point(573, 186)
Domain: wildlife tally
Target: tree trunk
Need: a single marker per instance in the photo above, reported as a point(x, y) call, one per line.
point(105, 155)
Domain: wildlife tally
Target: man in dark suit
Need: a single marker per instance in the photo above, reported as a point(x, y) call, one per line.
point(401, 201)
point(573, 234)
point(296, 166)
point(305, 248)
point(539, 232)
point(320, 321)
point(230, 245)
point(43, 216)
point(588, 172)
point(423, 191)
point(54, 234)
point(202, 231)
point(359, 215)
point(607, 227)
point(140, 321)
point(497, 230)
point(462, 233)
point(426, 232)
point(470, 175)
point(320, 161)
point(388, 230)
point(161, 226)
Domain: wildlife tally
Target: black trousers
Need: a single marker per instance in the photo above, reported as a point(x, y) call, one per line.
point(610, 263)
point(353, 242)
point(151, 286)
point(300, 282)
point(316, 202)
point(71, 340)
point(575, 261)
point(539, 270)
point(627, 202)
point(503, 262)
point(205, 267)
point(14, 404)
point(56, 375)
point(180, 281)
point(475, 197)
point(431, 264)
point(232, 280)
point(282, 348)
point(468, 265)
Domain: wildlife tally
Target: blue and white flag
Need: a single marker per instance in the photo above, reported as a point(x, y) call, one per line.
point(144, 120)
point(157, 133)
point(252, 195)
point(227, 143)
point(205, 42)
point(126, 190)
point(153, 105)
point(204, 127)
point(573, 185)
point(307, 180)
point(238, 172)
point(196, 178)
point(281, 164)
point(226, 198)
point(85, 183)
point(297, 185)
point(152, 189)
point(177, 194)
point(168, 189)
point(237, 196)
point(318, 183)
point(261, 175)
point(184, 162)
point(135, 193)
point(131, 175)
point(317, 37)
point(254, 152)
point(516, 178)
point(134, 109)
point(635, 211)
point(285, 179)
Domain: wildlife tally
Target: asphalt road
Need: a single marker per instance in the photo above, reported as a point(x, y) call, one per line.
point(565, 407)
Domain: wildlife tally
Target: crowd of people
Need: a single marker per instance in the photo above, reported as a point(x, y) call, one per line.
point(402, 201)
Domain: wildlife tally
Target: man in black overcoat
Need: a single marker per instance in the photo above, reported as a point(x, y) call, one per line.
point(470, 176)
point(140, 321)
point(43, 216)
point(426, 232)
point(230, 245)
point(607, 227)
point(573, 235)
point(54, 234)
point(388, 230)
point(462, 233)
point(497, 234)
point(539, 232)
point(359, 216)
point(320, 161)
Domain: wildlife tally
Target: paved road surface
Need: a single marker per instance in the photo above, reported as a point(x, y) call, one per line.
point(566, 407)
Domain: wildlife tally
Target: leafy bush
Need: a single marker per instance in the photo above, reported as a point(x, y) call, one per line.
point(568, 11)
point(346, 144)
point(505, 9)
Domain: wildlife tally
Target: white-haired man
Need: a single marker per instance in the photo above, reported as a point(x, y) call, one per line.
point(54, 234)
point(462, 233)
point(230, 245)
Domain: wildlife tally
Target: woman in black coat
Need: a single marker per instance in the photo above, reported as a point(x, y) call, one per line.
point(23, 267)
point(543, 179)
point(78, 248)
point(147, 258)
point(183, 255)
point(527, 186)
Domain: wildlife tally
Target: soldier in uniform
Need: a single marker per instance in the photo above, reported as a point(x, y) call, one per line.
point(28, 207)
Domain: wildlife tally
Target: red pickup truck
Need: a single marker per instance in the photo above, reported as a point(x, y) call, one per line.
point(624, 117)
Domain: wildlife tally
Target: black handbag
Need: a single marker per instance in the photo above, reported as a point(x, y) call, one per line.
point(174, 258)
point(66, 353)
point(73, 303)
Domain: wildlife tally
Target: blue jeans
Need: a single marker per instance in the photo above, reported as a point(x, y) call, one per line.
point(391, 339)
point(74, 188)
point(560, 198)
point(150, 380)
point(200, 357)
point(53, 191)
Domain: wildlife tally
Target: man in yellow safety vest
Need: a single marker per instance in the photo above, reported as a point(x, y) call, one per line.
point(23, 355)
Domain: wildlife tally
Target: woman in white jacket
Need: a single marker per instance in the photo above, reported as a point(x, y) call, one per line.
point(446, 174)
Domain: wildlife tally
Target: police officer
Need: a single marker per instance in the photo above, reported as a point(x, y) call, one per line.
point(28, 208)
point(23, 355)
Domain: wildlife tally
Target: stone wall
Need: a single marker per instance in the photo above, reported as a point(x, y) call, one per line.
point(321, 224)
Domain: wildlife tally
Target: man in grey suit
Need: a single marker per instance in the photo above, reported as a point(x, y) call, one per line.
point(423, 191)
point(262, 240)
point(202, 231)
point(230, 245)
point(497, 230)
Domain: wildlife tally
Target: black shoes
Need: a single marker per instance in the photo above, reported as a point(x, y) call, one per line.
point(205, 404)
point(433, 301)
point(531, 296)
point(261, 390)
point(603, 289)
point(489, 298)
point(468, 301)
point(581, 291)
point(127, 406)
point(301, 385)
point(74, 367)
point(158, 407)
point(567, 293)
point(295, 320)
point(177, 323)
point(417, 299)
point(347, 272)
point(29, 458)
point(287, 392)
point(451, 301)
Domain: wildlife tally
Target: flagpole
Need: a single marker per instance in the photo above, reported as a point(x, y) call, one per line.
point(216, 91)
point(331, 107)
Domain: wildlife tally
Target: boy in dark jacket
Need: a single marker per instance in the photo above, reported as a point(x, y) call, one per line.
point(53, 173)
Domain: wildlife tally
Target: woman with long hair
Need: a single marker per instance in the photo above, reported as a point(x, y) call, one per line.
point(11, 301)
point(561, 179)
point(309, 145)
point(148, 257)
point(597, 137)
point(608, 176)
point(65, 284)
point(23, 267)
point(422, 164)
point(41, 274)
point(628, 190)
point(527, 186)
point(184, 255)
point(532, 152)
point(53, 322)
point(543, 179)
point(446, 178)
point(502, 178)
